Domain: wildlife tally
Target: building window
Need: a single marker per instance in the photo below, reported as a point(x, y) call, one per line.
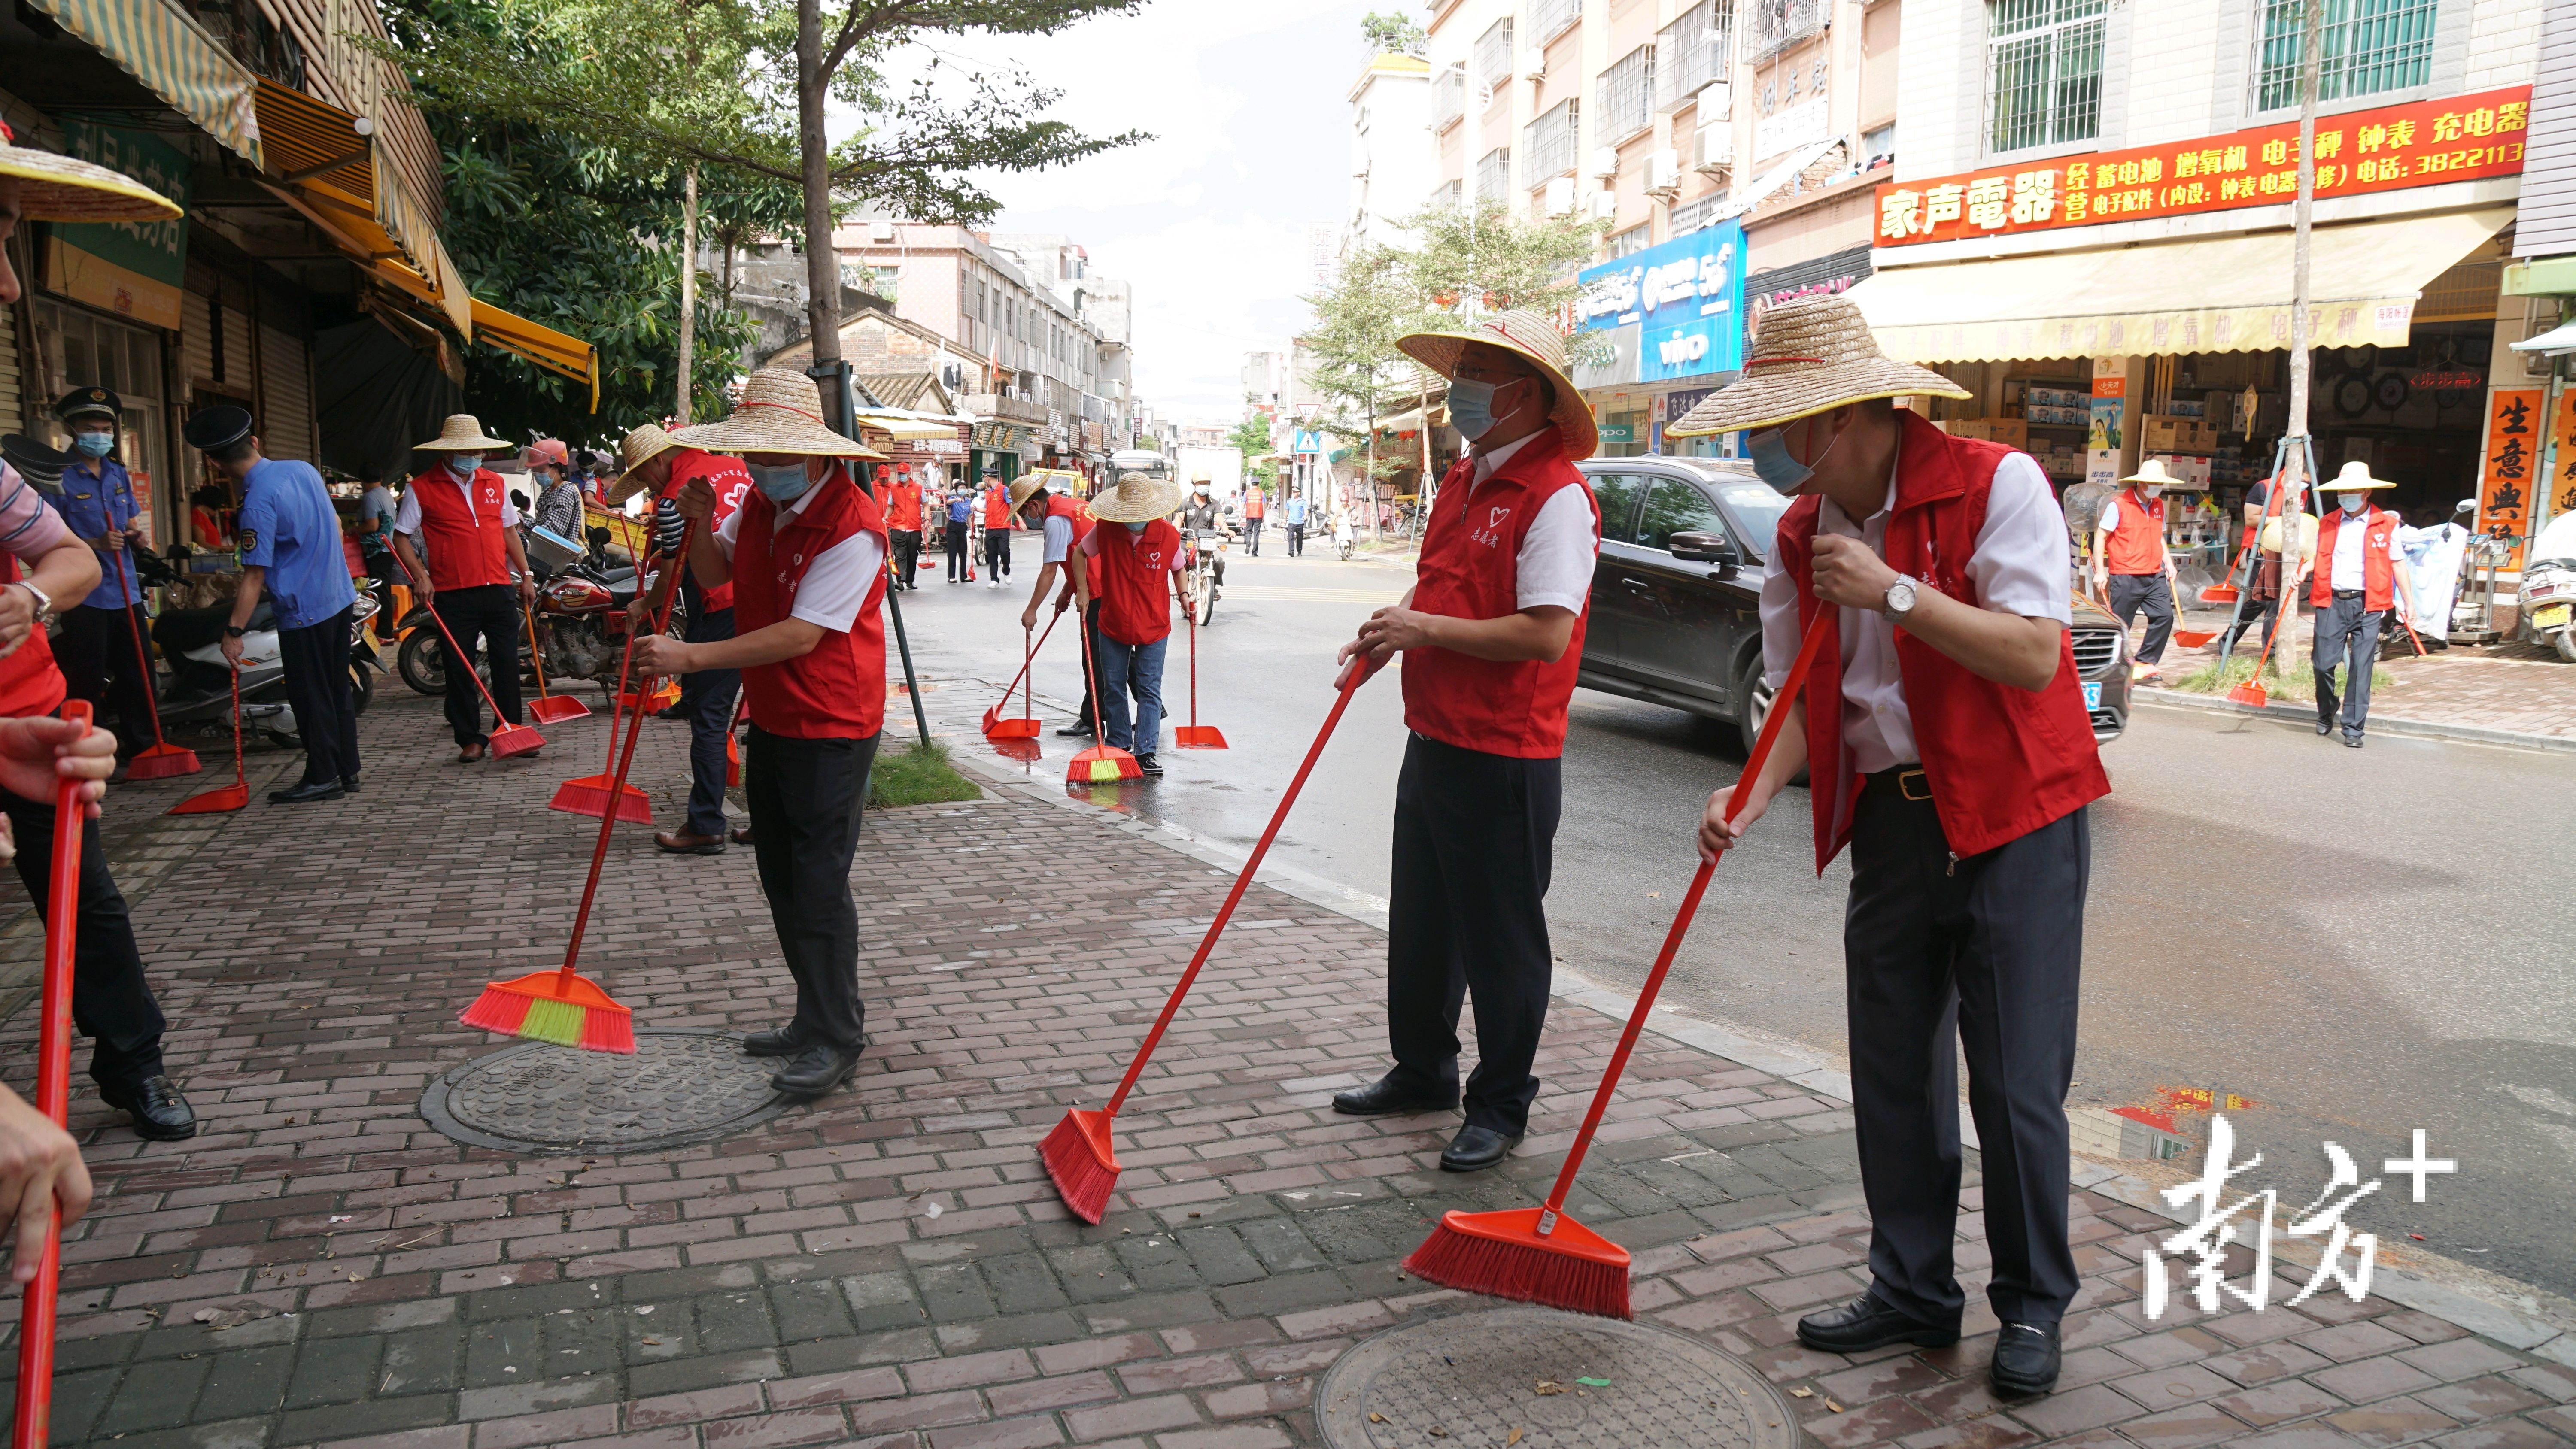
point(1494, 53)
point(1448, 193)
point(2043, 73)
point(1551, 144)
point(1692, 51)
point(1448, 98)
point(1552, 18)
point(1626, 96)
point(1634, 239)
point(2368, 46)
point(1494, 172)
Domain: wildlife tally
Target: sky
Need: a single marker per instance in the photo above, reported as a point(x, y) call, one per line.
point(1245, 102)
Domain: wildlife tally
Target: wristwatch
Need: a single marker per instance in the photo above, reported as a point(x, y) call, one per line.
point(44, 601)
point(1900, 599)
point(234, 631)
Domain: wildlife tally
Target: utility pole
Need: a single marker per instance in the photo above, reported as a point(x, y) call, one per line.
point(687, 409)
point(2294, 471)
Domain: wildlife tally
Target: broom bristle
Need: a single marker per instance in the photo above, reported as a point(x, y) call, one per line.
point(1101, 764)
point(515, 740)
point(220, 800)
point(588, 795)
point(497, 1009)
point(530, 1007)
point(1084, 1173)
point(1501, 1255)
point(609, 1029)
point(162, 762)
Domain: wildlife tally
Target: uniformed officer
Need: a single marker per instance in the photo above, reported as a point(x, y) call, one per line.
point(290, 550)
point(457, 510)
point(99, 657)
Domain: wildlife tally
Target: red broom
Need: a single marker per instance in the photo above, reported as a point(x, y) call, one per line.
point(2251, 692)
point(53, 1098)
point(1078, 1153)
point(222, 798)
point(1026, 726)
point(560, 1006)
point(1194, 736)
point(1104, 762)
point(1540, 1255)
point(164, 759)
point(549, 708)
point(507, 739)
point(733, 745)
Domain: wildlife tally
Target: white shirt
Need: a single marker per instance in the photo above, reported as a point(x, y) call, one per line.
point(2020, 566)
point(836, 583)
point(1059, 538)
point(2349, 535)
point(1555, 562)
point(407, 517)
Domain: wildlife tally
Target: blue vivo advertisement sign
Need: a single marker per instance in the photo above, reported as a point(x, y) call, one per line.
point(1684, 297)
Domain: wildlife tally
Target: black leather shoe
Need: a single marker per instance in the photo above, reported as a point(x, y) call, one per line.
point(160, 1113)
point(815, 1071)
point(1866, 1323)
point(307, 793)
point(1078, 730)
point(2353, 741)
point(2025, 1359)
point(781, 1042)
point(2325, 727)
point(349, 783)
point(1476, 1148)
point(1386, 1095)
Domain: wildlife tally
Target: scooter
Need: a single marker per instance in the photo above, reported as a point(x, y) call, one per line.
point(2548, 593)
point(581, 624)
point(1205, 562)
point(200, 690)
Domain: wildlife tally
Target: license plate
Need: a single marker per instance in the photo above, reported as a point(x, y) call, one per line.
point(2553, 616)
point(2092, 694)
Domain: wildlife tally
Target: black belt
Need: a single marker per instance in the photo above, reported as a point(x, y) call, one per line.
point(2347, 593)
point(1908, 781)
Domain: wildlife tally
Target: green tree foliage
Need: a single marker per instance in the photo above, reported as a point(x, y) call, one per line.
point(1371, 302)
point(1392, 34)
point(1251, 437)
point(1488, 260)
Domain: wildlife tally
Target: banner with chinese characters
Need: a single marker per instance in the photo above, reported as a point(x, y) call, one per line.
point(132, 268)
point(2512, 461)
point(2421, 143)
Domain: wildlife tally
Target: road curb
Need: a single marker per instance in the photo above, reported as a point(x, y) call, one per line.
point(2379, 724)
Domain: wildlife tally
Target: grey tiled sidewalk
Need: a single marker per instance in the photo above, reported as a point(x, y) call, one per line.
point(892, 1267)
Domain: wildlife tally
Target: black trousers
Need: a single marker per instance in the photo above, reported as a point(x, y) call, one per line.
point(707, 699)
point(2346, 632)
point(1252, 537)
point(907, 553)
point(99, 664)
point(1475, 839)
point(480, 619)
point(2153, 593)
point(1983, 954)
point(806, 799)
point(1091, 641)
point(1296, 540)
point(997, 552)
point(111, 1001)
point(384, 570)
point(316, 661)
point(960, 562)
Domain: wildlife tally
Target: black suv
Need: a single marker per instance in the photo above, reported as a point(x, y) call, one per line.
point(1675, 594)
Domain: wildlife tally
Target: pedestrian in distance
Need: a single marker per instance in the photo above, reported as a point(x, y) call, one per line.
point(1492, 633)
point(1063, 523)
point(558, 508)
point(997, 530)
point(1256, 505)
point(376, 511)
point(2361, 571)
point(2131, 565)
point(291, 553)
point(2271, 580)
point(99, 659)
point(960, 509)
point(1137, 551)
point(900, 494)
point(806, 554)
point(474, 573)
point(1945, 731)
point(1294, 513)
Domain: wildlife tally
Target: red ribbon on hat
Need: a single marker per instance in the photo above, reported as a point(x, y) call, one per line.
point(787, 408)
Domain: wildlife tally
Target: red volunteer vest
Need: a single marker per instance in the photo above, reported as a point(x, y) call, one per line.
point(1254, 506)
point(2001, 761)
point(903, 507)
point(2378, 570)
point(837, 691)
point(1470, 569)
point(997, 507)
point(731, 482)
point(30, 682)
point(463, 543)
point(1136, 581)
point(2137, 545)
point(1078, 513)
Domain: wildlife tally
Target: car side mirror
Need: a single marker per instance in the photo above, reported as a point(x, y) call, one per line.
point(1709, 548)
point(2467, 505)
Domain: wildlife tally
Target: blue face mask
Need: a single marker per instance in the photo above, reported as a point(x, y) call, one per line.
point(95, 445)
point(464, 464)
point(1771, 459)
point(1471, 406)
point(781, 485)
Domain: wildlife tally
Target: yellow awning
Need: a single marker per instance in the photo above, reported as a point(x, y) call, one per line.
point(180, 64)
point(904, 426)
point(334, 175)
point(543, 346)
point(2223, 294)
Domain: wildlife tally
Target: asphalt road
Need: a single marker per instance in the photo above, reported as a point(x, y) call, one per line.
point(2360, 943)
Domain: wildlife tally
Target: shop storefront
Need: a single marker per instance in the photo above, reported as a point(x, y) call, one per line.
point(1658, 323)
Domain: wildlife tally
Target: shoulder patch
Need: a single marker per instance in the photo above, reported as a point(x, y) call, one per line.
point(249, 539)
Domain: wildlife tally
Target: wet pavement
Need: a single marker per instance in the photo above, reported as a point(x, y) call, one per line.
point(2357, 944)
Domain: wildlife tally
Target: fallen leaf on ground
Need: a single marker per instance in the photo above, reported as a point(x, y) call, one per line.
point(1802, 1393)
point(1377, 1418)
point(1830, 1404)
point(1594, 1383)
point(1549, 1386)
point(1516, 1438)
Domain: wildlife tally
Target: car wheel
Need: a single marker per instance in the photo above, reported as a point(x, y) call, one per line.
point(1757, 690)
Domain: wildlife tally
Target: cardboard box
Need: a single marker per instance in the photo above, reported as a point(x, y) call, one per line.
point(2163, 433)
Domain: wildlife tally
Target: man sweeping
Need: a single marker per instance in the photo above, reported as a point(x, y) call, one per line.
point(657, 463)
point(806, 555)
point(1494, 633)
point(1135, 550)
point(2132, 566)
point(475, 574)
point(899, 493)
point(1945, 732)
point(1063, 523)
point(996, 502)
point(2361, 571)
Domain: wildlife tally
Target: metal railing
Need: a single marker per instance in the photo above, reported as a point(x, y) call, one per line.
point(1691, 52)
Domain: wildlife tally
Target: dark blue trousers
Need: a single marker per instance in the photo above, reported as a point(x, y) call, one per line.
point(707, 700)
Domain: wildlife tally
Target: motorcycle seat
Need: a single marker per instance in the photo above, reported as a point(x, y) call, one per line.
point(179, 630)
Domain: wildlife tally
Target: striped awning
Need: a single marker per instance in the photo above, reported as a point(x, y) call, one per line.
point(181, 65)
point(539, 344)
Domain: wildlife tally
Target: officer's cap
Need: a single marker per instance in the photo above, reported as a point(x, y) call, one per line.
point(87, 402)
point(216, 427)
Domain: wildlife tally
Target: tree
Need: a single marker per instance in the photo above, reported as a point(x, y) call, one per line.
point(1472, 263)
point(1371, 302)
point(1394, 34)
point(1251, 437)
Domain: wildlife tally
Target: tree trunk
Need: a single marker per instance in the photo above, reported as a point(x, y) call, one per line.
point(687, 411)
point(822, 263)
point(1368, 474)
point(2294, 473)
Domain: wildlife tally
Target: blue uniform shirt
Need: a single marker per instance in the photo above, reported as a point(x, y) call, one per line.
point(1296, 510)
point(961, 507)
point(287, 527)
point(97, 496)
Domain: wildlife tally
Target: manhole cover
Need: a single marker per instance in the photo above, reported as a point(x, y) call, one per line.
point(681, 1086)
point(1476, 1377)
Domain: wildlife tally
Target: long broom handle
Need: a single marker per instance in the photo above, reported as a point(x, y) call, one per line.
point(661, 603)
point(1192, 617)
point(53, 1098)
point(536, 656)
point(240, 779)
point(134, 631)
point(1242, 881)
point(456, 656)
point(1029, 658)
point(1780, 707)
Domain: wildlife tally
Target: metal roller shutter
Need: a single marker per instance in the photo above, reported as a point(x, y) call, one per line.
point(286, 429)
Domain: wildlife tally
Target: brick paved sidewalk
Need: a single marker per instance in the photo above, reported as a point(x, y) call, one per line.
point(2518, 689)
point(891, 1267)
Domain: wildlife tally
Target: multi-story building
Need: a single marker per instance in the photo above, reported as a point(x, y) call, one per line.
point(1390, 167)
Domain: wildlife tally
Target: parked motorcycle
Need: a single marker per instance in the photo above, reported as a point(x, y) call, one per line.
point(581, 626)
point(1203, 574)
point(200, 691)
point(2548, 592)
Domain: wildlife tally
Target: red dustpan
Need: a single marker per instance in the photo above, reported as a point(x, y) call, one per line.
point(507, 739)
point(1194, 736)
point(164, 759)
point(1026, 726)
point(53, 1098)
point(222, 798)
point(549, 708)
point(2251, 692)
point(590, 794)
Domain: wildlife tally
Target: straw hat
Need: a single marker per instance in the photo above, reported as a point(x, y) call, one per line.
point(1527, 335)
point(2153, 471)
point(1138, 498)
point(1812, 355)
point(58, 188)
point(2355, 478)
point(641, 446)
point(781, 412)
point(41, 465)
point(461, 434)
point(1024, 488)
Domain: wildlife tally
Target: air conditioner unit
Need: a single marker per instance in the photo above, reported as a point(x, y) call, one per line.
point(1713, 149)
point(1663, 174)
point(1605, 162)
point(1713, 102)
point(882, 231)
point(1601, 205)
point(1560, 196)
